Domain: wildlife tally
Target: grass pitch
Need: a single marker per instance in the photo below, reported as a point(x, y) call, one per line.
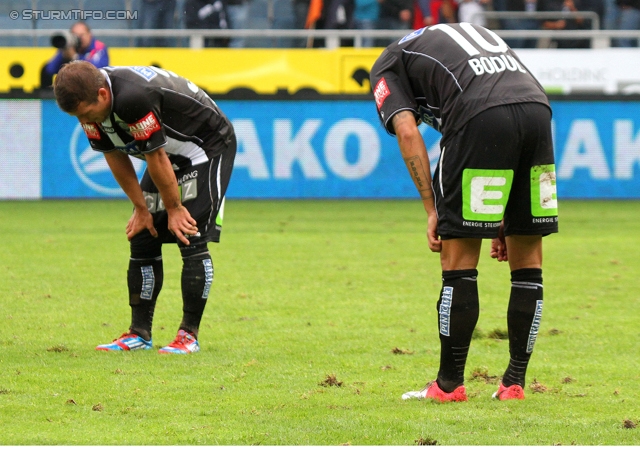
point(321, 315)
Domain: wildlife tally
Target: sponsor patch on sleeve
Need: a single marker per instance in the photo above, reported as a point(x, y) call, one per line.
point(412, 35)
point(144, 71)
point(143, 128)
point(380, 92)
point(91, 130)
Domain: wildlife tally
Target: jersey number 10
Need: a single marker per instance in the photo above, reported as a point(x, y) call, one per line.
point(466, 45)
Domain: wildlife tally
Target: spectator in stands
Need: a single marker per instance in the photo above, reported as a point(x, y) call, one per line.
point(300, 19)
point(254, 14)
point(448, 11)
point(328, 14)
point(394, 14)
point(339, 15)
point(628, 19)
point(365, 17)
point(156, 14)
point(83, 46)
point(472, 11)
point(422, 13)
point(429, 12)
point(611, 13)
point(597, 6)
point(517, 23)
point(207, 14)
point(271, 14)
point(570, 24)
point(491, 6)
point(238, 14)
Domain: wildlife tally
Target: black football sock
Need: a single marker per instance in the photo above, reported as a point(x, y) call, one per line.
point(523, 320)
point(144, 278)
point(458, 311)
point(197, 276)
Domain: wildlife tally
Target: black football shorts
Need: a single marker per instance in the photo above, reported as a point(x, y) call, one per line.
point(202, 190)
point(500, 165)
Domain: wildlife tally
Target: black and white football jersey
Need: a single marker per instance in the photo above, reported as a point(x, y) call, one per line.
point(153, 108)
point(448, 73)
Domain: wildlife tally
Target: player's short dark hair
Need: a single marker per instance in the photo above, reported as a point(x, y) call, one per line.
point(77, 82)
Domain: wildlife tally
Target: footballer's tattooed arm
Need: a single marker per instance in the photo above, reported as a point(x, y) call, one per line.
point(418, 175)
point(414, 153)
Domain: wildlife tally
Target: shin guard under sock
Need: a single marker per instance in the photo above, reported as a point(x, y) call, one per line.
point(458, 311)
point(144, 278)
point(197, 276)
point(523, 320)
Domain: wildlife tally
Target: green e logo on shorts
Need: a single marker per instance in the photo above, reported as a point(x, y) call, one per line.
point(220, 214)
point(544, 199)
point(485, 193)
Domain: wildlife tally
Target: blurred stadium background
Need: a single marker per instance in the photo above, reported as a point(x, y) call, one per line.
point(300, 100)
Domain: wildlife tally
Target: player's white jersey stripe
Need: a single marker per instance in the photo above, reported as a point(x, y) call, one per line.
point(219, 181)
point(186, 149)
point(211, 163)
point(440, 172)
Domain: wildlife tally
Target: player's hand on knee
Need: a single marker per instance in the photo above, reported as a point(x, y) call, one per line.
point(139, 221)
point(182, 225)
point(183, 236)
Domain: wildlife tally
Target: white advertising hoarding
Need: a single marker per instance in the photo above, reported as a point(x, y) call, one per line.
point(20, 144)
point(573, 71)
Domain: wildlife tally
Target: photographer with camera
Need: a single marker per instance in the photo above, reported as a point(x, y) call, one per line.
point(78, 43)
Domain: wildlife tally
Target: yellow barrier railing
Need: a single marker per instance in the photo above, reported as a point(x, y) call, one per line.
point(221, 70)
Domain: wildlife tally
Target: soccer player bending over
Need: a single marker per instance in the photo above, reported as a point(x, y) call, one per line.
point(495, 179)
point(189, 147)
